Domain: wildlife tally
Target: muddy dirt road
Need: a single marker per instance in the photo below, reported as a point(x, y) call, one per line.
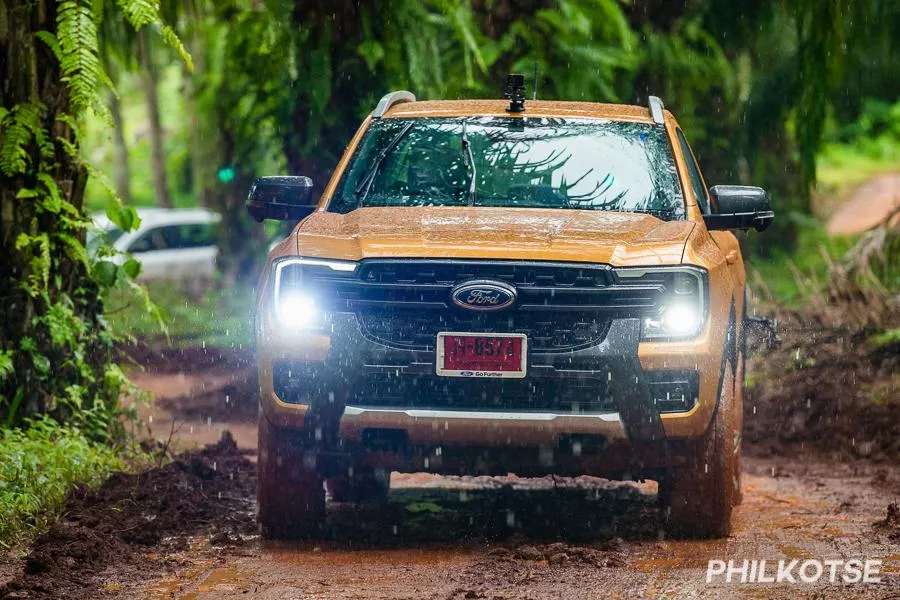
point(186, 530)
point(582, 539)
point(445, 537)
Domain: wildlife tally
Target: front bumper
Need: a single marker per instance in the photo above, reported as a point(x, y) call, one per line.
point(316, 382)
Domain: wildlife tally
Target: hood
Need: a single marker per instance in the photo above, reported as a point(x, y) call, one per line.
point(511, 233)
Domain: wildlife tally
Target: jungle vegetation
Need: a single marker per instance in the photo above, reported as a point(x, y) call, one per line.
point(230, 89)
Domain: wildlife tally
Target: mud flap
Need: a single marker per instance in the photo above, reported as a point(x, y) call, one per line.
point(627, 385)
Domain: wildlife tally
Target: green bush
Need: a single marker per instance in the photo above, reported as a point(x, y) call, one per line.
point(791, 276)
point(38, 466)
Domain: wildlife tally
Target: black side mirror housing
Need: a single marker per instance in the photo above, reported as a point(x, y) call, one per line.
point(281, 198)
point(740, 207)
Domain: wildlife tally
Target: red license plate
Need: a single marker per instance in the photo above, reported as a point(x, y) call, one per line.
point(479, 355)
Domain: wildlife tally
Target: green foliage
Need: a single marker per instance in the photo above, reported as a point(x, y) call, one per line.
point(822, 28)
point(141, 13)
point(886, 340)
point(19, 127)
point(56, 349)
point(791, 276)
point(595, 35)
point(874, 134)
point(38, 466)
point(77, 51)
point(210, 319)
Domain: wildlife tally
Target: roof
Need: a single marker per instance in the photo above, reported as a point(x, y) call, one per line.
point(533, 108)
point(164, 216)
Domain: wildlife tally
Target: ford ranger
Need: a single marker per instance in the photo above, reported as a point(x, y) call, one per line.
point(502, 286)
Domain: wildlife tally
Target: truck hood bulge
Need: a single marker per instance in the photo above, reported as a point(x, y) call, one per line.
point(501, 233)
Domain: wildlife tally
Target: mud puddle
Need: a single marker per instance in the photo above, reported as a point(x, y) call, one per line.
point(187, 531)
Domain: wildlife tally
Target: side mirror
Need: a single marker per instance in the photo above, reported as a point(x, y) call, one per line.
point(740, 207)
point(281, 198)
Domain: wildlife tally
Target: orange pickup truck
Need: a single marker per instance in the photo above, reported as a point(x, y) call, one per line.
point(504, 286)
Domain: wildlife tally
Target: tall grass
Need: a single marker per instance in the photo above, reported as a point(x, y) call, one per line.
point(38, 466)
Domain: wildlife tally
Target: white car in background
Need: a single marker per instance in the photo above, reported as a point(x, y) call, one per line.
point(176, 244)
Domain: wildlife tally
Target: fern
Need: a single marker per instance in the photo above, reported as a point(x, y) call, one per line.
point(170, 38)
point(52, 201)
point(52, 42)
point(39, 266)
point(80, 59)
point(140, 12)
point(17, 128)
point(73, 248)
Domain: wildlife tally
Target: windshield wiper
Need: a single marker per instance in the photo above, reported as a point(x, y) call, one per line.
point(470, 162)
point(362, 190)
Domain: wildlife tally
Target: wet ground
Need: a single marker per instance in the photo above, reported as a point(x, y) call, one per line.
point(186, 530)
point(798, 516)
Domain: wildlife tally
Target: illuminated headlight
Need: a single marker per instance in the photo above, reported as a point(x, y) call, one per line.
point(296, 304)
point(298, 310)
point(676, 320)
point(682, 312)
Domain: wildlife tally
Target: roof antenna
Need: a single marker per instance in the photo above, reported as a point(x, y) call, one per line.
point(534, 94)
point(515, 91)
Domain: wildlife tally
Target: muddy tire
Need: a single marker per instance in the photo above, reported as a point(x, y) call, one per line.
point(697, 498)
point(290, 490)
point(738, 497)
point(360, 485)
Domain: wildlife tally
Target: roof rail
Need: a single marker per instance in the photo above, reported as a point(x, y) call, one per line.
point(388, 100)
point(656, 110)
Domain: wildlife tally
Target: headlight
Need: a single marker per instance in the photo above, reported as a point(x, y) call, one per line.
point(294, 300)
point(676, 320)
point(298, 310)
point(682, 313)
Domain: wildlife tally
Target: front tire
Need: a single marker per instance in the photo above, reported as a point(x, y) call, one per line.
point(290, 490)
point(698, 497)
point(739, 428)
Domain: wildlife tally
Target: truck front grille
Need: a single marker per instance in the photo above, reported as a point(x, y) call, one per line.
point(547, 332)
point(404, 303)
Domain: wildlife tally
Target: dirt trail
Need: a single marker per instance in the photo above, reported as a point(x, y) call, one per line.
point(458, 538)
point(451, 537)
point(186, 531)
point(867, 206)
point(816, 512)
point(197, 394)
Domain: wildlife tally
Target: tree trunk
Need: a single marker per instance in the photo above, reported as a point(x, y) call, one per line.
point(200, 171)
point(123, 168)
point(50, 307)
point(241, 240)
point(157, 152)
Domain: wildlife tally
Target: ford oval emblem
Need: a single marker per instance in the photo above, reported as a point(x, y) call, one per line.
point(484, 295)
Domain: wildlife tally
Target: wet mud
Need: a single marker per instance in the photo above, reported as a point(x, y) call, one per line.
point(129, 526)
point(186, 530)
point(825, 393)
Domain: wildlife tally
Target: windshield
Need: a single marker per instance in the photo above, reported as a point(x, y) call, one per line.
point(518, 162)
